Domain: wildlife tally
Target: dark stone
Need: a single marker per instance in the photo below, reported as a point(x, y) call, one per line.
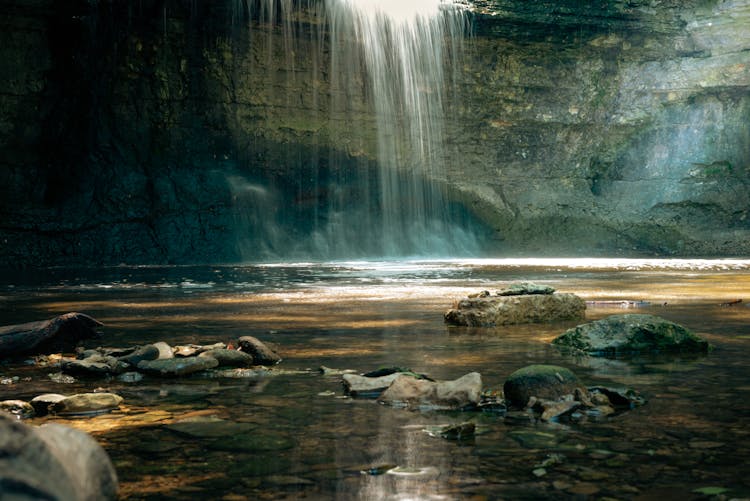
point(146, 352)
point(262, 354)
point(53, 462)
point(624, 335)
point(59, 334)
point(548, 382)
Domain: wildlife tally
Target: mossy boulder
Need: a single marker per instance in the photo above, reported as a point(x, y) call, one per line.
point(541, 381)
point(626, 335)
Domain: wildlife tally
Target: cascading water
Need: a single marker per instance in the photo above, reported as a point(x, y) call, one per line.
point(391, 56)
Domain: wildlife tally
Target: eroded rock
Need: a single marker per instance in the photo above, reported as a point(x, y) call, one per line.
point(505, 310)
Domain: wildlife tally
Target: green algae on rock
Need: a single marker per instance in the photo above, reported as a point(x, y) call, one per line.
point(631, 334)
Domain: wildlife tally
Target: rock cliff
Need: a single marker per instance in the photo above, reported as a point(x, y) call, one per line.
point(178, 131)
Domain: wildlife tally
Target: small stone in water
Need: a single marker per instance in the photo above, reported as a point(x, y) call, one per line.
point(19, 408)
point(9, 380)
point(539, 472)
point(59, 377)
point(130, 377)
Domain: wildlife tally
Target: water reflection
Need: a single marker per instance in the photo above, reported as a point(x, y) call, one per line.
point(307, 441)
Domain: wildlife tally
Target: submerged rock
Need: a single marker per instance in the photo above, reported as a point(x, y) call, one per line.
point(460, 431)
point(623, 335)
point(407, 391)
point(504, 310)
point(94, 365)
point(53, 462)
point(541, 381)
point(174, 367)
point(262, 354)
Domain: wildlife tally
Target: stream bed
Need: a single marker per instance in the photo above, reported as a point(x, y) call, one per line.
point(295, 435)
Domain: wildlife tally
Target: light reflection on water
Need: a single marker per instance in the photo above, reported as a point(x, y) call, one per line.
point(363, 315)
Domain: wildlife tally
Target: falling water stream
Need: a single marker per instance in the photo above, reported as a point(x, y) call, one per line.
point(294, 436)
point(383, 71)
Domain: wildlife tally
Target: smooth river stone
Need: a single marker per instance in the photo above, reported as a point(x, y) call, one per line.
point(174, 367)
point(87, 403)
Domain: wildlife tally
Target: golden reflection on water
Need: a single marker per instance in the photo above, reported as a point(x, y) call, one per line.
point(394, 316)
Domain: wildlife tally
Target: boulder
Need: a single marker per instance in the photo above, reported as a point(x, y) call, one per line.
point(174, 367)
point(504, 310)
point(407, 391)
point(623, 335)
point(86, 403)
point(229, 358)
point(60, 334)
point(262, 354)
point(548, 382)
point(52, 462)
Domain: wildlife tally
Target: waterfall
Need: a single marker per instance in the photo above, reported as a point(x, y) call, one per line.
point(388, 57)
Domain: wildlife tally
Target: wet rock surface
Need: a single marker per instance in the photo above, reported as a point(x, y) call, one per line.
point(53, 462)
point(62, 333)
point(519, 304)
point(175, 367)
point(87, 403)
point(261, 353)
point(627, 335)
point(616, 81)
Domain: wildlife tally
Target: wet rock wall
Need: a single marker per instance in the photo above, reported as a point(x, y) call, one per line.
point(177, 131)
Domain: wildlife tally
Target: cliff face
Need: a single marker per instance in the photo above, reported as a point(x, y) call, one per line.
point(170, 131)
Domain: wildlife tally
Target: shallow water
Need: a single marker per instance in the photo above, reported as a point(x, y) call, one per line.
point(291, 436)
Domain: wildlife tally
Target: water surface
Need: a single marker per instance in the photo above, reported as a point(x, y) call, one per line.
point(293, 435)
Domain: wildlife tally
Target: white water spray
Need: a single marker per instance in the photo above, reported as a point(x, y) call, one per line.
point(385, 89)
